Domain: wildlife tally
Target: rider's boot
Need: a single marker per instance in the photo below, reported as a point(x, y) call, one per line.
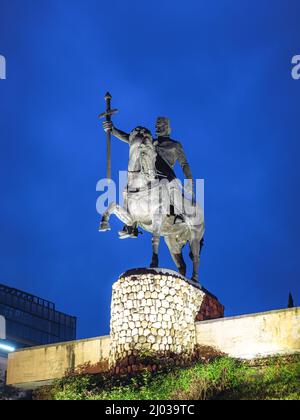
point(129, 232)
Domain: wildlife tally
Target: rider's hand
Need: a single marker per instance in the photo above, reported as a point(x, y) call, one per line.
point(107, 126)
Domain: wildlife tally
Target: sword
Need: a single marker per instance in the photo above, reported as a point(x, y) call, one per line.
point(107, 115)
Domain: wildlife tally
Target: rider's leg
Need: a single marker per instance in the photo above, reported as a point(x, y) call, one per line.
point(183, 207)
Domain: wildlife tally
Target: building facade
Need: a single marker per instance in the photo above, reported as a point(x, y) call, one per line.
point(32, 321)
point(26, 321)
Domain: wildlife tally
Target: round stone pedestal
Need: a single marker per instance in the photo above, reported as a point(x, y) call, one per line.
point(153, 312)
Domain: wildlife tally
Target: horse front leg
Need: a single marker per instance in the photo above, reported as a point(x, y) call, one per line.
point(157, 223)
point(121, 213)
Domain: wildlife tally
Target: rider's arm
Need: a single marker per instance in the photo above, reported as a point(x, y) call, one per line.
point(121, 135)
point(184, 163)
point(186, 169)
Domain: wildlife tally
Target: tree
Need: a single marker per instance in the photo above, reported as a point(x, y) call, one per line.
point(7, 392)
point(291, 301)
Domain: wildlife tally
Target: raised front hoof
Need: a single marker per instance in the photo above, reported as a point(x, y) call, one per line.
point(104, 227)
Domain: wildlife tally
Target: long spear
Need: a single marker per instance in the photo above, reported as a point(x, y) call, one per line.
point(107, 115)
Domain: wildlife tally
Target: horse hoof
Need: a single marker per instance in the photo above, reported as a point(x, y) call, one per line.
point(195, 280)
point(154, 262)
point(104, 227)
point(182, 271)
point(153, 265)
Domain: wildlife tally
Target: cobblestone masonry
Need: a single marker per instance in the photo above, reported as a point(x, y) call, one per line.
point(154, 311)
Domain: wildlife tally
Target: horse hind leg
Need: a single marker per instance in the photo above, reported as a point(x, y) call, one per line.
point(196, 246)
point(157, 223)
point(176, 255)
point(201, 246)
point(179, 261)
point(155, 247)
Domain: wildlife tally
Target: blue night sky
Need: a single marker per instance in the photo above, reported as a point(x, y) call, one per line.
point(221, 71)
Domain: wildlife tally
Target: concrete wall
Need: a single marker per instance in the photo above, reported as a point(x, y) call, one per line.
point(251, 336)
point(40, 365)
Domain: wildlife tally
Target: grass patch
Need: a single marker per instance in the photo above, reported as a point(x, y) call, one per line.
point(223, 378)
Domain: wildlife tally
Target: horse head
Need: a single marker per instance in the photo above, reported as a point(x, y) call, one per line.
point(146, 152)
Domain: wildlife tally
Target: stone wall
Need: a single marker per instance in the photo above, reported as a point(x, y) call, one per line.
point(154, 311)
point(211, 308)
